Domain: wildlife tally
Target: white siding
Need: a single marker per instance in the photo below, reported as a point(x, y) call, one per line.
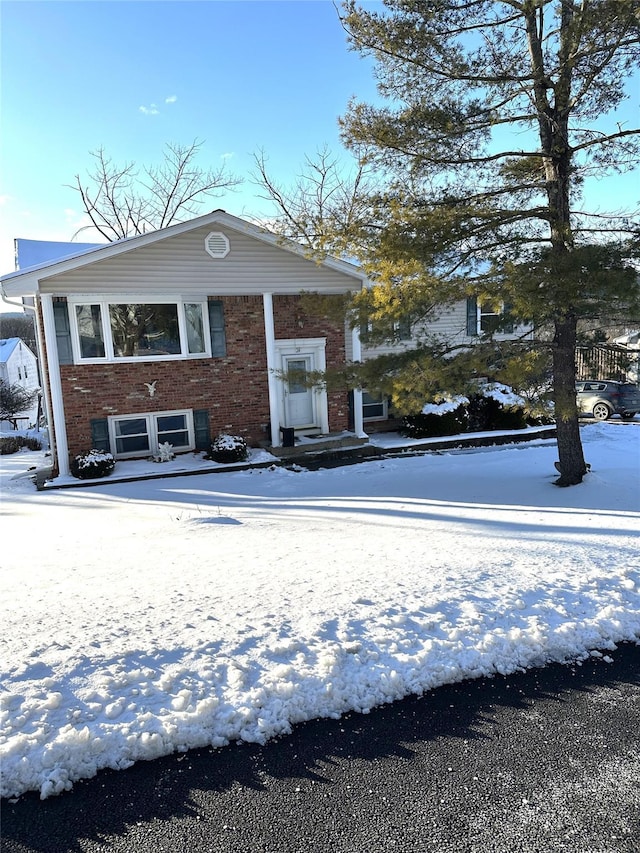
point(450, 325)
point(181, 264)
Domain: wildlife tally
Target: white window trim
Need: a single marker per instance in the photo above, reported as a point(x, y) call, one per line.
point(110, 357)
point(384, 402)
point(498, 313)
point(152, 432)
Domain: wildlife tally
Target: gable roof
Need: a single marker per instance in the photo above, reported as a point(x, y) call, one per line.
point(26, 282)
point(7, 347)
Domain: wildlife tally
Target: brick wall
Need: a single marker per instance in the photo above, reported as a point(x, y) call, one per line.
point(234, 389)
point(290, 320)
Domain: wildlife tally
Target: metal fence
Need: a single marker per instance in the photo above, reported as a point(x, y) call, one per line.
point(607, 361)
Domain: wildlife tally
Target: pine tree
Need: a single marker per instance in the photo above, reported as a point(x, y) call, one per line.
point(492, 116)
point(493, 120)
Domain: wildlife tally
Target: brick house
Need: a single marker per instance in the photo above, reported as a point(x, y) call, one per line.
point(180, 334)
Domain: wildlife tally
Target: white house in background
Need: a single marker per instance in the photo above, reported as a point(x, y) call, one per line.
point(19, 366)
point(461, 324)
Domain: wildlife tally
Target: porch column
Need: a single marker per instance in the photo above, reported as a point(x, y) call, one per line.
point(358, 424)
point(55, 385)
point(274, 385)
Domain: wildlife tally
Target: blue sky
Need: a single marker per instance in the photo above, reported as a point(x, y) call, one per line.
point(131, 76)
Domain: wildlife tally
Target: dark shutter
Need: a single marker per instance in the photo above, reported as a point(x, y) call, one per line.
point(100, 434)
point(508, 323)
point(216, 329)
point(63, 332)
point(404, 329)
point(472, 316)
point(201, 429)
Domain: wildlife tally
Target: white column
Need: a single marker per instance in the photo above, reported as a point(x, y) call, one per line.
point(358, 424)
point(274, 385)
point(55, 385)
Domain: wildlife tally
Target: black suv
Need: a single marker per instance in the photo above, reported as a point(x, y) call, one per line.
point(602, 398)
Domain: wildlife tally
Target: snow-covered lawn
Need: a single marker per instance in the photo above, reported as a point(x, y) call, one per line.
point(145, 617)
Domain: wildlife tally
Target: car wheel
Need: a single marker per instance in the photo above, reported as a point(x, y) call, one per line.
point(601, 412)
point(628, 416)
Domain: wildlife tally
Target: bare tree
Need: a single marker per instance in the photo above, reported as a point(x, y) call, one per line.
point(14, 325)
point(125, 200)
point(14, 400)
point(320, 208)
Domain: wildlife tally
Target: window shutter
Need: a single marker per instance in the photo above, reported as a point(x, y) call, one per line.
point(216, 329)
point(100, 434)
point(201, 429)
point(472, 316)
point(508, 323)
point(404, 329)
point(63, 332)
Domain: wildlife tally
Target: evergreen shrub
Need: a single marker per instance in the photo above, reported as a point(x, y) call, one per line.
point(31, 443)
point(93, 464)
point(13, 443)
point(228, 448)
point(429, 424)
point(9, 444)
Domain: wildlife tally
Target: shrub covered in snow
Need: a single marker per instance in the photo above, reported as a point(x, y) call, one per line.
point(228, 448)
point(446, 417)
point(494, 406)
point(93, 464)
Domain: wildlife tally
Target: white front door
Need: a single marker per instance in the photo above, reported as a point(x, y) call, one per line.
point(299, 400)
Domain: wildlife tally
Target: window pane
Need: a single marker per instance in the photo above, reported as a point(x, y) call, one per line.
point(131, 426)
point(173, 428)
point(144, 330)
point(166, 423)
point(195, 328)
point(372, 406)
point(131, 436)
point(135, 444)
point(89, 318)
point(297, 375)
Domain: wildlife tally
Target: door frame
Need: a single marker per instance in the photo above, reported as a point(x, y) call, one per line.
point(315, 350)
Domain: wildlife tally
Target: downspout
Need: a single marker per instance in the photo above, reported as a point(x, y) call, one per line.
point(274, 385)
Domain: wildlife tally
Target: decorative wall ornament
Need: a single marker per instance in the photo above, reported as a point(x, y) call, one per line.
point(151, 387)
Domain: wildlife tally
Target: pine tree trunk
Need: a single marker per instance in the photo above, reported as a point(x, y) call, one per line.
point(571, 464)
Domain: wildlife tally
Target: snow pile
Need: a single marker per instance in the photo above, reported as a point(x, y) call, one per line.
point(147, 617)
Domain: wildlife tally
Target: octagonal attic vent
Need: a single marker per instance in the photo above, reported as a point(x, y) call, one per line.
point(217, 244)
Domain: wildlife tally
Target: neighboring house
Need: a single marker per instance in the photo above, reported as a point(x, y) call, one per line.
point(180, 334)
point(19, 366)
point(460, 325)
